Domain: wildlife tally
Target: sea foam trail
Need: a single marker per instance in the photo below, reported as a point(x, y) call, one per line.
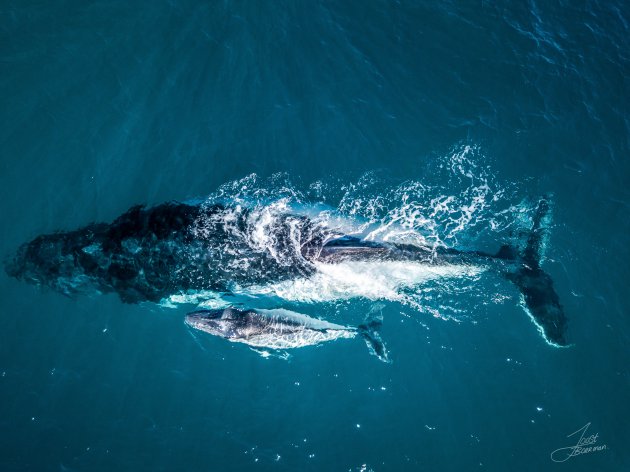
point(371, 280)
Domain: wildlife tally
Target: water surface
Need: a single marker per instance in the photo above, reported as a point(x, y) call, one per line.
point(105, 105)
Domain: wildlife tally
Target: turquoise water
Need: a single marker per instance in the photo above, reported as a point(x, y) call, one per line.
point(441, 120)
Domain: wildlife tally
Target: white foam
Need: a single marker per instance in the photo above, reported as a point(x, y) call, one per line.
point(464, 203)
point(203, 298)
point(371, 280)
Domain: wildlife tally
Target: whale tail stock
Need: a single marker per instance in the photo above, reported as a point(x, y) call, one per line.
point(370, 332)
point(523, 268)
point(539, 298)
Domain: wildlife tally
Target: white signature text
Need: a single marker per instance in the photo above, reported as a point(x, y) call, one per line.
point(584, 445)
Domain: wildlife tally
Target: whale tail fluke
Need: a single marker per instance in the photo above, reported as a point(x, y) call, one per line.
point(370, 332)
point(538, 296)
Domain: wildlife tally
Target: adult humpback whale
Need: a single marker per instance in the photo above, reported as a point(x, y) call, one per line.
point(150, 254)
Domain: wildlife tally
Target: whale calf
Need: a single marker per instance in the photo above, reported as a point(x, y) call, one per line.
point(281, 329)
point(151, 254)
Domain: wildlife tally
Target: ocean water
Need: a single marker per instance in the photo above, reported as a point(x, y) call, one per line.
point(439, 123)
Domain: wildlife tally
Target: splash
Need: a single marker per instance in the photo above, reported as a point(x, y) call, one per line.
point(456, 202)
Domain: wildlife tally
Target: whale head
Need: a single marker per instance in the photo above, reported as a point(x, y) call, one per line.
point(63, 261)
point(228, 323)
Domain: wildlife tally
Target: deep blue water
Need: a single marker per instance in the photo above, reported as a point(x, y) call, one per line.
point(379, 110)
